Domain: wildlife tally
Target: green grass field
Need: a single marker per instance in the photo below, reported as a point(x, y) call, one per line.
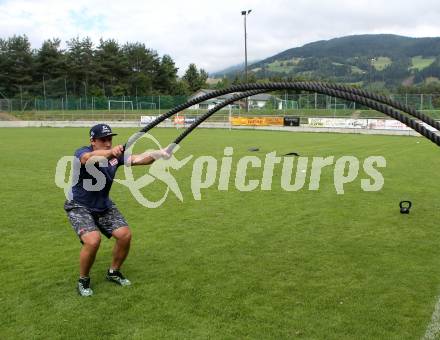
point(420, 62)
point(261, 264)
point(381, 62)
point(357, 70)
point(219, 117)
point(283, 65)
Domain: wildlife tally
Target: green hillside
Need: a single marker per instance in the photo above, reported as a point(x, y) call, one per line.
point(421, 63)
point(385, 59)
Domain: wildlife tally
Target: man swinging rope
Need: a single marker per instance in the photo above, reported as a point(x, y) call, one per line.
point(90, 210)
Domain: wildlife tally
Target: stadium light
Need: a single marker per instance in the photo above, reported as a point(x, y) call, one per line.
point(372, 60)
point(245, 14)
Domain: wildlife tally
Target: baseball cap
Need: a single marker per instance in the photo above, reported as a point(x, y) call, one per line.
point(101, 130)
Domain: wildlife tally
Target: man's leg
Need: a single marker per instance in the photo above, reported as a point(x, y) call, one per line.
point(120, 252)
point(84, 226)
point(91, 242)
point(122, 246)
point(112, 223)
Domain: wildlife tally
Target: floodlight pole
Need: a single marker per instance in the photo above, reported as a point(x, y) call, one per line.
point(372, 60)
point(65, 90)
point(245, 14)
point(44, 93)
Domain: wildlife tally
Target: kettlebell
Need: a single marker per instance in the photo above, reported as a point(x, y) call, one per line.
point(405, 206)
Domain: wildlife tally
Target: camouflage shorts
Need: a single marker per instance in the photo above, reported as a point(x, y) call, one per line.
point(84, 220)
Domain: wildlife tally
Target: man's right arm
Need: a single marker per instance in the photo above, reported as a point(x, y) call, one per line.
point(114, 152)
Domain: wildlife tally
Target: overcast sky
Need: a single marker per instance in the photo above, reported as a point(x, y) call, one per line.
point(211, 33)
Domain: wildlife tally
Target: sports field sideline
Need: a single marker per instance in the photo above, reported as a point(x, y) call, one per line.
point(259, 264)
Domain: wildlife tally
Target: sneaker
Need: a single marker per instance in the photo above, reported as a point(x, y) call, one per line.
point(84, 287)
point(117, 277)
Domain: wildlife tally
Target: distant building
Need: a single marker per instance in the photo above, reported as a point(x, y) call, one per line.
point(257, 101)
point(260, 100)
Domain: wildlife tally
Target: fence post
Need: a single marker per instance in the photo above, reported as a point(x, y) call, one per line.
point(21, 98)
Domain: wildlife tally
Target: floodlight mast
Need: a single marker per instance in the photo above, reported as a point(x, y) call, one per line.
point(245, 14)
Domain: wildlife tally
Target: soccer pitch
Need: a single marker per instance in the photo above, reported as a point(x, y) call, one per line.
point(259, 264)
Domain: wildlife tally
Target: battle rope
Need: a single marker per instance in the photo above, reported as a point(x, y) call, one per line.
point(365, 98)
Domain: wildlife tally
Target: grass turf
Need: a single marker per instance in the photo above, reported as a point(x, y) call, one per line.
point(260, 264)
point(381, 62)
point(420, 62)
point(220, 117)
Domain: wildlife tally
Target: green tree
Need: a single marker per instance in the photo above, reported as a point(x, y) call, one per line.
point(50, 67)
point(4, 80)
point(83, 70)
point(143, 65)
point(49, 59)
point(16, 65)
point(222, 84)
point(80, 64)
point(181, 88)
point(203, 77)
point(195, 79)
point(237, 80)
point(111, 66)
point(166, 78)
point(192, 78)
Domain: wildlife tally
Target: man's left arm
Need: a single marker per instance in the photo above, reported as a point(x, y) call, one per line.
point(149, 157)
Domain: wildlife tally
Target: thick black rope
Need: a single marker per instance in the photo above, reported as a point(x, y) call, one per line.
point(217, 93)
point(286, 85)
point(343, 92)
point(340, 94)
point(408, 121)
point(388, 101)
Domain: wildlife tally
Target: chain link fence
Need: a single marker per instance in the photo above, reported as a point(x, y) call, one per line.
point(131, 108)
point(91, 103)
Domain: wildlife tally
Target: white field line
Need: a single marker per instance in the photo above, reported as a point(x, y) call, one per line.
point(433, 329)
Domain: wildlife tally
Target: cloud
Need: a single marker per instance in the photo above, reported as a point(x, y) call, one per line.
point(209, 33)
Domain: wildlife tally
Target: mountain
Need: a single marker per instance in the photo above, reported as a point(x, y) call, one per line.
point(383, 59)
point(231, 70)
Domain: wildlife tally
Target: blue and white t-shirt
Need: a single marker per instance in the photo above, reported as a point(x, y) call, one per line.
point(87, 191)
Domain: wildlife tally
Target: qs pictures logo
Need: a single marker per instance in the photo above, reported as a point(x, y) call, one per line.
point(159, 170)
point(251, 173)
